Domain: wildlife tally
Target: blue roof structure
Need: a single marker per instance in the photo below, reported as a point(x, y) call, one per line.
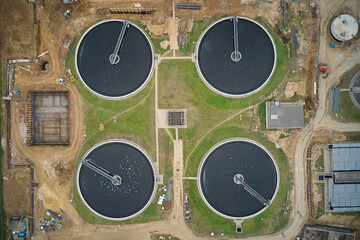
point(345, 158)
point(344, 197)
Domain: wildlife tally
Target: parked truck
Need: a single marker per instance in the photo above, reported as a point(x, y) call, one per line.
point(69, 1)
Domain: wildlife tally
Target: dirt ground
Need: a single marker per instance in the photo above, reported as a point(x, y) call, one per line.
point(17, 184)
point(28, 30)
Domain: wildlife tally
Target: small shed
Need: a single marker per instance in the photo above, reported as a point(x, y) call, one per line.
point(334, 100)
point(284, 115)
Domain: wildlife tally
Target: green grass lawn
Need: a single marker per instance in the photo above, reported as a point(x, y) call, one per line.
point(349, 113)
point(353, 136)
point(319, 164)
point(155, 39)
point(347, 76)
point(320, 210)
point(199, 25)
point(166, 154)
point(355, 214)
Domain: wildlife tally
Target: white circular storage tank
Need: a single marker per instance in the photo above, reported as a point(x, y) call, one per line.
point(344, 27)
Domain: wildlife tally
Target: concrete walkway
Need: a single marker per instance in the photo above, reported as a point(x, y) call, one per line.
point(156, 110)
point(178, 181)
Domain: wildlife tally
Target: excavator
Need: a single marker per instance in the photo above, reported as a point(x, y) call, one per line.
point(323, 68)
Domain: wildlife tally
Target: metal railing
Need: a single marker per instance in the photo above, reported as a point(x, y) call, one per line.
point(103, 172)
point(114, 56)
point(253, 192)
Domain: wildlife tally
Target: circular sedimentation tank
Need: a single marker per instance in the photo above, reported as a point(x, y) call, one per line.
point(238, 178)
point(133, 64)
point(344, 27)
point(132, 187)
point(355, 90)
point(240, 74)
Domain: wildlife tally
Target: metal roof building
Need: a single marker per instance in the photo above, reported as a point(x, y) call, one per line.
point(284, 115)
point(334, 100)
point(344, 181)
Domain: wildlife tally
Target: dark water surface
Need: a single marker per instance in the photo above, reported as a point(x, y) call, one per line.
point(124, 77)
point(238, 157)
point(250, 72)
point(137, 180)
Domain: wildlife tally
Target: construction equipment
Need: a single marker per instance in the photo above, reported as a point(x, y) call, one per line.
point(333, 45)
point(69, 1)
point(323, 68)
point(67, 13)
point(62, 82)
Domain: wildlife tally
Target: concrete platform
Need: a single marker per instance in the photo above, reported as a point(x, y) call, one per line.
point(50, 118)
point(284, 115)
point(163, 118)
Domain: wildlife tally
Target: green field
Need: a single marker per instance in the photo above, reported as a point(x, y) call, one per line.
point(199, 26)
point(348, 111)
point(320, 210)
point(353, 136)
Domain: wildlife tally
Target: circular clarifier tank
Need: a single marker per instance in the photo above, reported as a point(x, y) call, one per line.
point(240, 74)
point(344, 27)
point(131, 68)
point(355, 90)
point(238, 178)
point(131, 185)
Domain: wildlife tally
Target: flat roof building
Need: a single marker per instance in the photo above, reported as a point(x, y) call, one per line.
point(334, 100)
point(343, 179)
point(284, 115)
